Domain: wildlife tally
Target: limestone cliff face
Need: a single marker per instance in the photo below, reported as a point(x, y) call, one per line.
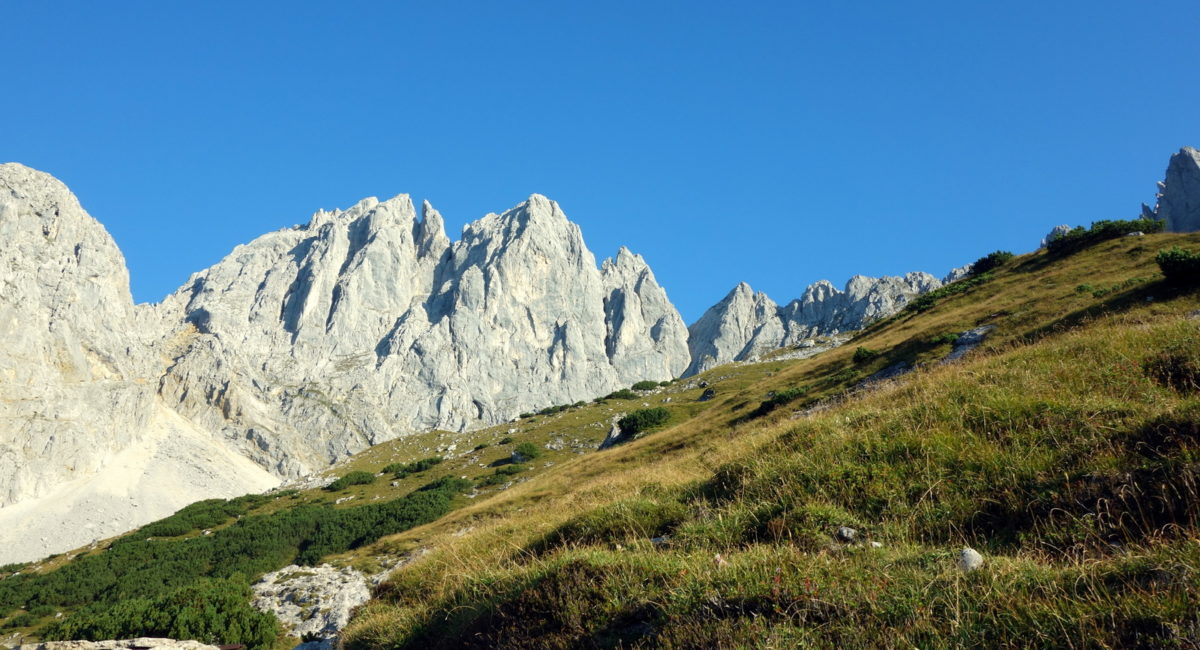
point(1179, 193)
point(299, 348)
point(309, 344)
point(86, 448)
point(746, 324)
point(74, 377)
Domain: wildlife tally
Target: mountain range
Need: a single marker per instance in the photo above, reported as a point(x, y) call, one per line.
point(314, 342)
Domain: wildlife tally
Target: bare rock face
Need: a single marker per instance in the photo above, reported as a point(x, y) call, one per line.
point(312, 343)
point(746, 324)
point(87, 450)
point(1179, 193)
point(300, 348)
point(75, 379)
point(312, 601)
point(957, 273)
point(1055, 233)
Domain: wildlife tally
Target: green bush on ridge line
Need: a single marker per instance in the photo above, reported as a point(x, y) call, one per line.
point(1179, 266)
point(990, 261)
point(1079, 237)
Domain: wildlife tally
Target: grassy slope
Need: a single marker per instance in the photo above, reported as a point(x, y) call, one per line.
point(1050, 450)
point(563, 557)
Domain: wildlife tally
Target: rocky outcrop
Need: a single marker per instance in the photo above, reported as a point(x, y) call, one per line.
point(958, 273)
point(311, 343)
point(312, 602)
point(745, 324)
point(1055, 233)
point(1179, 193)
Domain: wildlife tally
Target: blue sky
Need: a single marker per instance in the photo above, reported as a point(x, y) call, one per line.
point(776, 143)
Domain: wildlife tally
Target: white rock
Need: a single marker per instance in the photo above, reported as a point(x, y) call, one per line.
point(1179, 193)
point(969, 560)
point(83, 436)
point(1055, 233)
point(746, 324)
point(312, 600)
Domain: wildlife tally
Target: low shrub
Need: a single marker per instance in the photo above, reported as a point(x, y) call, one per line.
point(624, 393)
point(990, 261)
point(645, 385)
point(863, 355)
point(403, 470)
point(503, 474)
point(353, 478)
point(24, 619)
point(506, 440)
point(527, 451)
point(949, 338)
point(1179, 266)
point(926, 301)
point(643, 419)
point(1080, 238)
point(212, 611)
point(780, 398)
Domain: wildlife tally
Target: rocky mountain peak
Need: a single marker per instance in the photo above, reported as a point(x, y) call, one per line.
point(745, 324)
point(1179, 193)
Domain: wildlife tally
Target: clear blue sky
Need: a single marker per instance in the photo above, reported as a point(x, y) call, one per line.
point(776, 143)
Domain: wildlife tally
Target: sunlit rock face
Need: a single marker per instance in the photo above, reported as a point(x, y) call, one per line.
point(311, 343)
point(299, 348)
point(87, 450)
point(1179, 193)
point(745, 324)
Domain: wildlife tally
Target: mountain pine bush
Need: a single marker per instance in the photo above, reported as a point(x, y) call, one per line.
point(1180, 266)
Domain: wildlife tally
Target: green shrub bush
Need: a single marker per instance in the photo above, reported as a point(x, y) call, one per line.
point(643, 419)
point(645, 385)
point(1080, 238)
point(944, 339)
point(24, 619)
point(551, 410)
point(624, 393)
point(928, 300)
point(403, 470)
point(141, 568)
point(863, 355)
point(527, 450)
point(353, 478)
point(211, 611)
point(990, 261)
point(1179, 266)
point(780, 398)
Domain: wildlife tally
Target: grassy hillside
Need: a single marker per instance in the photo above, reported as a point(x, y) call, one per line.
point(1064, 450)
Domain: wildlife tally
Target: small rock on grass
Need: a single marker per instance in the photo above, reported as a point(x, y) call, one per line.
point(969, 560)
